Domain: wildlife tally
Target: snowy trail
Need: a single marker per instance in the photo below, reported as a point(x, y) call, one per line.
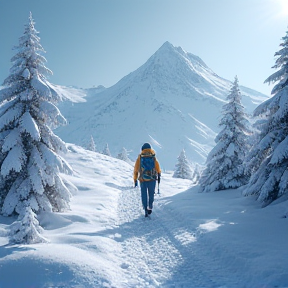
point(199, 240)
point(155, 251)
point(147, 255)
point(167, 251)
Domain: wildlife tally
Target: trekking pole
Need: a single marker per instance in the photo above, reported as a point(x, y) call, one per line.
point(158, 183)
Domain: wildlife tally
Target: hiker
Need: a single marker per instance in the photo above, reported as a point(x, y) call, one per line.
point(147, 170)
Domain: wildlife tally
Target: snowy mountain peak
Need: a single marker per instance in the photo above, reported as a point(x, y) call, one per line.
point(172, 70)
point(168, 48)
point(166, 45)
point(173, 101)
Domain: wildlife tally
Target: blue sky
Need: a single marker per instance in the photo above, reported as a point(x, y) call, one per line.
point(97, 42)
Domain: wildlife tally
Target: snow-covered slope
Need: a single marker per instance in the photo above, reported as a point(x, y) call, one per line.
point(173, 101)
point(191, 240)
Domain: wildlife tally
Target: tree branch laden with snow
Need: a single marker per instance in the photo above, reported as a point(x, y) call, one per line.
point(269, 156)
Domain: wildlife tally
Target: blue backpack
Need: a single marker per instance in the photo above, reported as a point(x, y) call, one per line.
point(147, 167)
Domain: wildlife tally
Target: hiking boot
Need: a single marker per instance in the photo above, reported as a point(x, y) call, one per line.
point(146, 213)
point(149, 211)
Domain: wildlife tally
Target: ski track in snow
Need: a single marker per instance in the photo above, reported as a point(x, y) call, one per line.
point(157, 253)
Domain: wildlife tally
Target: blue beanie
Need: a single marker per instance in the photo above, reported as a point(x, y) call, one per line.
point(146, 146)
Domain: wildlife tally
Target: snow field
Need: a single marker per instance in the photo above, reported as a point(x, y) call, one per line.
point(192, 239)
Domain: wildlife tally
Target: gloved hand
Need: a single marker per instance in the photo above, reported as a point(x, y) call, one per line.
point(136, 183)
point(159, 176)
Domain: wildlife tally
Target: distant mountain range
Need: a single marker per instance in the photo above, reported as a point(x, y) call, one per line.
point(173, 101)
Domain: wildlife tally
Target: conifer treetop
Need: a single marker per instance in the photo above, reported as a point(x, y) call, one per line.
point(281, 63)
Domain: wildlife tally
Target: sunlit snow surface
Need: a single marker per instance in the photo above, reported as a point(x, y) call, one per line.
point(192, 239)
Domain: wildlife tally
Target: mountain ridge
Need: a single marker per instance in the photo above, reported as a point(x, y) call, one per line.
point(155, 103)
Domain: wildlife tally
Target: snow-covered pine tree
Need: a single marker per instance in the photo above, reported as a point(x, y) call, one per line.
point(123, 155)
point(106, 150)
point(91, 145)
point(268, 159)
point(30, 165)
point(224, 167)
point(197, 170)
point(26, 229)
point(183, 167)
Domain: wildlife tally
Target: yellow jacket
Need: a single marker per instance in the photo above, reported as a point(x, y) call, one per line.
point(137, 165)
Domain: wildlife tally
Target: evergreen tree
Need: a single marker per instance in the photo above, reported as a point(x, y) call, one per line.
point(183, 167)
point(26, 229)
point(196, 173)
point(123, 155)
point(106, 150)
point(30, 165)
point(268, 160)
point(92, 146)
point(224, 167)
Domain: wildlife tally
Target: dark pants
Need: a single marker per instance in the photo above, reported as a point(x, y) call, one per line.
point(147, 193)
